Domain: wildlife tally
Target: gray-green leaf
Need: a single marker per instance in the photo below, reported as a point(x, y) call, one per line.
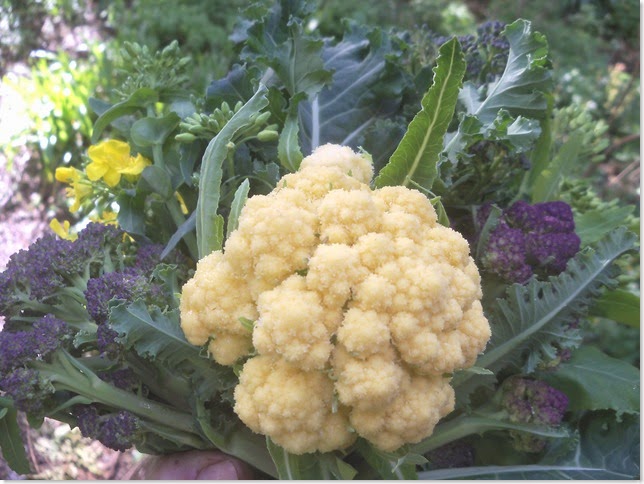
point(414, 163)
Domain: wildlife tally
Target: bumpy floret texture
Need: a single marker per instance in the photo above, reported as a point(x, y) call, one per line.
point(361, 304)
point(530, 240)
point(116, 431)
point(532, 401)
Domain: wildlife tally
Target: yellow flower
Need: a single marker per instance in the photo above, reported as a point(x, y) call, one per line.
point(107, 218)
point(62, 230)
point(111, 159)
point(79, 189)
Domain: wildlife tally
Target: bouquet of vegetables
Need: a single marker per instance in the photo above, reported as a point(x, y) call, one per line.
point(366, 257)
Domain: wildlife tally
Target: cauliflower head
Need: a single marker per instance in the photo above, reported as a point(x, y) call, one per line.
point(362, 303)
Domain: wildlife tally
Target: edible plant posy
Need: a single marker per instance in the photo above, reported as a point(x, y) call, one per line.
point(303, 270)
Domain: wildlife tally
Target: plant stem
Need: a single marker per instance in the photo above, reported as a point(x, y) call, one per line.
point(67, 373)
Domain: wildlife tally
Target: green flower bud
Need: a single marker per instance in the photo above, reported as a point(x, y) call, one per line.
point(267, 135)
point(185, 137)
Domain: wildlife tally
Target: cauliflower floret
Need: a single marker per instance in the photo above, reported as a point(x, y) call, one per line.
point(293, 406)
point(317, 182)
point(410, 417)
point(275, 237)
point(346, 215)
point(356, 165)
point(358, 295)
point(333, 272)
point(370, 382)
point(211, 307)
point(364, 333)
point(294, 324)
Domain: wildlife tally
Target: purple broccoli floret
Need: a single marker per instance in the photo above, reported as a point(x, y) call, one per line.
point(117, 431)
point(123, 378)
point(112, 285)
point(530, 239)
point(532, 401)
point(29, 392)
point(47, 334)
point(39, 270)
point(458, 453)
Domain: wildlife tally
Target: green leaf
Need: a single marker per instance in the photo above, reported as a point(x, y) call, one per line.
point(241, 195)
point(277, 40)
point(13, 450)
point(138, 99)
point(521, 91)
point(595, 224)
point(150, 131)
point(607, 449)
point(185, 228)
point(620, 306)
point(534, 317)
point(131, 213)
point(522, 86)
point(546, 186)
point(288, 147)
point(595, 381)
point(157, 180)
point(415, 160)
point(316, 466)
point(400, 465)
point(156, 336)
point(209, 223)
point(367, 87)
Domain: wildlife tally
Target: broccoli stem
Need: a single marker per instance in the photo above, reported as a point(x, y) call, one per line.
point(67, 373)
point(478, 423)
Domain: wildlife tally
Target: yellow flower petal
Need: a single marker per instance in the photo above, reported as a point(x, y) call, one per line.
point(136, 165)
point(62, 230)
point(112, 177)
point(96, 170)
point(109, 152)
point(67, 174)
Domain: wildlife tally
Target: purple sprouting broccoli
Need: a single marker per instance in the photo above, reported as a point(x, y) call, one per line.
point(47, 334)
point(29, 392)
point(128, 284)
point(532, 401)
point(458, 453)
point(123, 378)
point(118, 431)
point(486, 53)
point(530, 239)
point(53, 271)
point(26, 386)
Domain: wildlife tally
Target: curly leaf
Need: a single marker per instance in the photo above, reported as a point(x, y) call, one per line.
point(365, 88)
point(415, 160)
point(277, 40)
point(595, 381)
point(156, 336)
point(520, 92)
point(534, 316)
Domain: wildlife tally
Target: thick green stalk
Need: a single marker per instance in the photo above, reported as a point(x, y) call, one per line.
point(67, 373)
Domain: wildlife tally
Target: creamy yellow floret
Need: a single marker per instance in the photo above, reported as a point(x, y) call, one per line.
point(294, 407)
point(362, 303)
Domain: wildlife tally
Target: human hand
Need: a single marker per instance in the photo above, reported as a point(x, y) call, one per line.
point(193, 465)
